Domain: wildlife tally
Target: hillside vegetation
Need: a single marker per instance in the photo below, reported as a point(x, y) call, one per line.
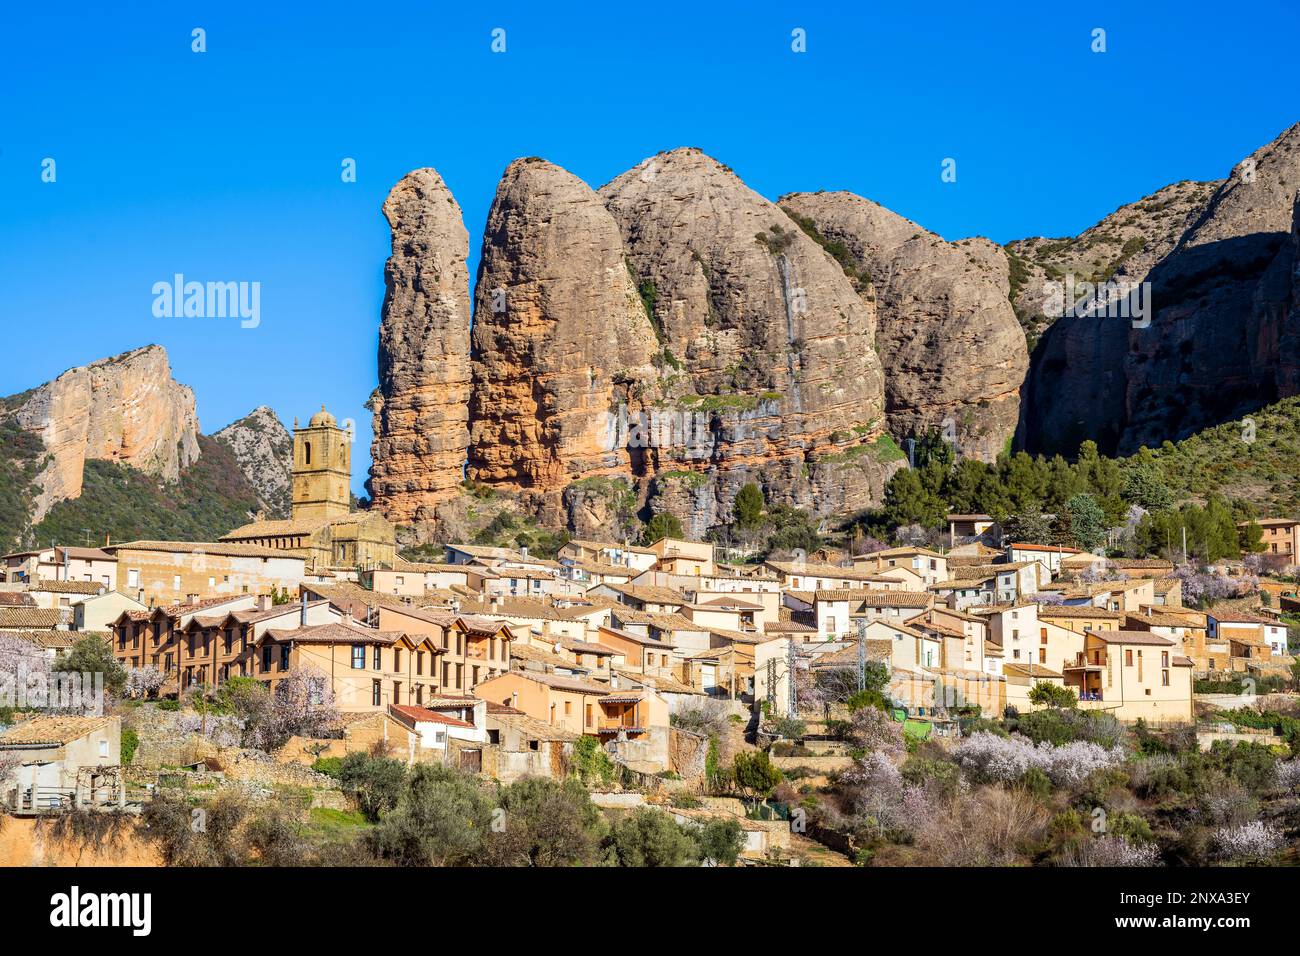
point(1262, 467)
point(211, 498)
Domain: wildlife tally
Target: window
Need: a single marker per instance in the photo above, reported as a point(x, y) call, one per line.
point(133, 578)
point(284, 657)
point(1128, 658)
point(103, 748)
point(1164, 662)
point(397, 658)
point(376, 693)
point(1164, 678)
point(379, 659)
point(176, 582)
point(266, 658)
point(358, 657)
point(568, 708)
point(1042, 635)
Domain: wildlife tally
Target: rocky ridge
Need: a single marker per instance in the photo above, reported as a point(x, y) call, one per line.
point(125, 409)
point(263, 449)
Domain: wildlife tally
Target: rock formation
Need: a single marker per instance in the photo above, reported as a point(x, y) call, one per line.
point(1122, 247)
point(770, 360)
point(421, 405)
point(125, 409)
point(263, 449)
point(561, 340)
point(953, 353)
point(1212, 350)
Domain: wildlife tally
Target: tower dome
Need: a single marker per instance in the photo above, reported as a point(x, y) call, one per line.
point(321, 418)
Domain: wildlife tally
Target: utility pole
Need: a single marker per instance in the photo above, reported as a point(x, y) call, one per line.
point(862, 654)
point(789, 666)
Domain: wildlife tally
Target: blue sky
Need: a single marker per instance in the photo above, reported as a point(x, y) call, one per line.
point(225, 165)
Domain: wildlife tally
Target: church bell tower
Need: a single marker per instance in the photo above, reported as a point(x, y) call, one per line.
point(322, 468)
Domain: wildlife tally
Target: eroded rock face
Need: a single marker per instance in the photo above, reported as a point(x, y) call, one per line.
point(263, 448)
point(421, 407)
point(126, 409)
point(770, 352)
point(1213, 349)
point(561, 339)
point(953, 352)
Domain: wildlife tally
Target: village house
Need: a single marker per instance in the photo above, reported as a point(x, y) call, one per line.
point(930, 567)
point(163, 572)
point(1081, 618)
point(90, 565)
point(19, 617)
point(437, 727)
point(368, 669)
point(973, 527)
point(565, 702)
point(213, 647)
point(1252, 637)
point(648, 598)
point(411, 579)
point(97, 612)
point(471, 648)
point(676, 556)
point(1135, 674)
point(1185, 628)
point(813, 576)
point(645, 654)
point(631, 557)
point(1027, 637)
point(63, 594)
point(150, 637)
point(519, 745)
point(61, 760)
point(1281, 538)
point(1049, 555)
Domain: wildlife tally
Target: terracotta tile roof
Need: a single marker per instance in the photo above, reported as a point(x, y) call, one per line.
point(53, 640)
point(334, 633)
point(1155, 564)
point(1078, 610)
point(817, 569)
point(413, 715)
point(559, 682)
point(729, 603)
point(894, 599)
point(29, 618)
point(848, 594)
point(69, 587)
point(1047, 548)
point(51, 729)
point(16, 599)
point(876, 652)
point(635, 638)
point(1035, 670)
point(1133, 637)
point(650, 594)
point(529, 726)
point(220, 549)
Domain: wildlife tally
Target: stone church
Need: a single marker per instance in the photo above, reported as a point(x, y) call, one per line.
point(323, 528)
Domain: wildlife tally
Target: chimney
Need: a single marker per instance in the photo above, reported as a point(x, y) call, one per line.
point(302, 616)
point(347, 615)
point(264, 602)
point(523, 551)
